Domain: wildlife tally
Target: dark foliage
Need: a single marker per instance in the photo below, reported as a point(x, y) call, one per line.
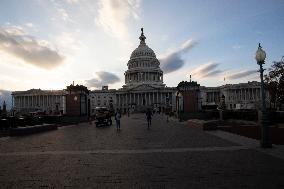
point(275, 81)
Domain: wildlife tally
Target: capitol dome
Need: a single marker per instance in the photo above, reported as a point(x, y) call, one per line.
point(141, 51)
point(143, 66)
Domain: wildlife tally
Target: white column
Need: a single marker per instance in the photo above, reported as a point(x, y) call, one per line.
point(119, 97)
point(27, 101)
point(157, 97)
point(45, 101)
point(127, 99)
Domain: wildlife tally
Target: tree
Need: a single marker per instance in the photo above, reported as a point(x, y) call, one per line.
point(275, 81)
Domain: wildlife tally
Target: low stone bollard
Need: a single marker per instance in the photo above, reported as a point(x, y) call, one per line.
point(19, 131)
point(205, 125)
point(4, 124)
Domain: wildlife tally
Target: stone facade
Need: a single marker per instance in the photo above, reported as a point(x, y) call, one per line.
point(105, 97)
point(48, 101)
point(237, 96)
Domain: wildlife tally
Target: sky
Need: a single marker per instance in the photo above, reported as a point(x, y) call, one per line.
point(48, 44)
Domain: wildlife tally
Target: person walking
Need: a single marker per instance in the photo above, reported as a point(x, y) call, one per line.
point(117, 119)
point(149, 117)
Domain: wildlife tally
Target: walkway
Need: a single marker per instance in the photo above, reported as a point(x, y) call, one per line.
point(169, 155)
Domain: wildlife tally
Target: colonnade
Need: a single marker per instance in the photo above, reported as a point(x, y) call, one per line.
point(241, 94)
point(36, 101)
point(244, 94)
point(213, 97)
point(143, 76)
point(143, 98)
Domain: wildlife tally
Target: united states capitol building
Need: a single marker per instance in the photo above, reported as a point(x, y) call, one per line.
point(144, 88)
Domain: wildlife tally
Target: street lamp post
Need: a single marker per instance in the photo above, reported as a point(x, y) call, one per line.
point(180, 104)
point(78, 118)
point(265, 141)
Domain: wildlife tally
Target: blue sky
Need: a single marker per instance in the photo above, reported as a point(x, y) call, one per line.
point(48, 44)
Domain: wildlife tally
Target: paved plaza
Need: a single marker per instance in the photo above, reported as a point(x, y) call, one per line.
point(168, 155)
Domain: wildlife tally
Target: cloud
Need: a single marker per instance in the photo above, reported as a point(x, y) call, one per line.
point(63, 13)
point(213, 73)
point(241, 74)
point(236, 47)
point(7, 97)
point(112, 16)
point(103, 78)
point(173, 61)
point(14, 41)
point(61, 10)
point(207, 70)
point(72, 1)
point(29, 24)
point(68, 43)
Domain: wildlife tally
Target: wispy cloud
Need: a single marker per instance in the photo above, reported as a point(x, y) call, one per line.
point(14, 41)
point(63, 13)
point(207, 70)
point(241, 74)
point(68, 43)
point(61, 10)
point(113, 15)
point(237, 47)
point(29, 24)
point(103, 78)
point(173, 61)
point(73, 1)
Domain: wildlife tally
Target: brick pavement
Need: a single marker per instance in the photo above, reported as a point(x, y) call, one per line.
point(169, 155)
